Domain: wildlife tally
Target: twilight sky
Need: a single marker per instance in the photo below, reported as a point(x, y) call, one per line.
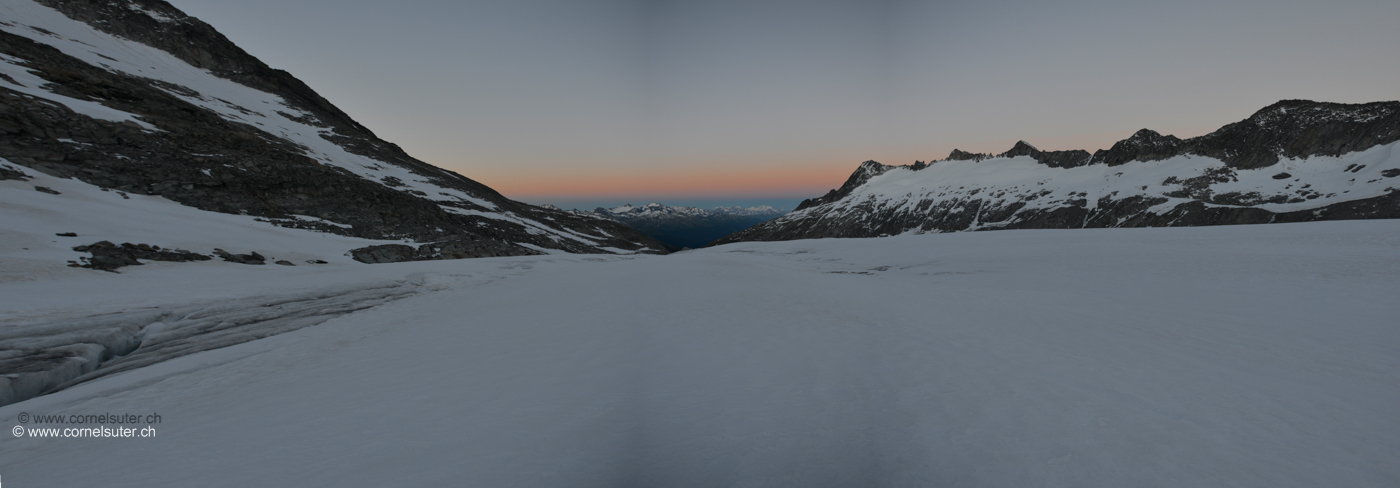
point(570, 101)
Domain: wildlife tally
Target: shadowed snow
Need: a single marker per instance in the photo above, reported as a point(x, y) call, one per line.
point(1241, 356)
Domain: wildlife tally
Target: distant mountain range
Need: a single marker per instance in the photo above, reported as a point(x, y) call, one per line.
point(1293, 161)
point(685, 227)
point(135, 98)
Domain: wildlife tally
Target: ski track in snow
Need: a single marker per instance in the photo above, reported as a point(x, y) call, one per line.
point(146, 337)
point(1239, 355)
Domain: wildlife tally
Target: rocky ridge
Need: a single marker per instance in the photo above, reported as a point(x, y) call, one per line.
point(1293, 161)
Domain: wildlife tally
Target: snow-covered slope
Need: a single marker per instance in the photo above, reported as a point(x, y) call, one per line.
point(1247, 356)
point(1254, 171)
point(135, 96)
point(31, 247)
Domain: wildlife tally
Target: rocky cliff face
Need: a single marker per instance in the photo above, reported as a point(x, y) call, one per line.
point(864, 173)
point(1292, 161)
point(136, 97)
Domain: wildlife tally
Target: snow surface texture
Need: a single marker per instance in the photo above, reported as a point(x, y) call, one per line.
point(1208, 356)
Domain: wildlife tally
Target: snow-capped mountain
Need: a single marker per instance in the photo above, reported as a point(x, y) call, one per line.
point(682, 227)
point(1292, 161)
point(657, 211)
point(135, 109)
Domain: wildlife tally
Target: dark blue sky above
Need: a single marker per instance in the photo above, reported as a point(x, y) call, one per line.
point(782, 99)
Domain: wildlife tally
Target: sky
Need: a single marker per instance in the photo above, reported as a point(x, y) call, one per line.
point(598, 103)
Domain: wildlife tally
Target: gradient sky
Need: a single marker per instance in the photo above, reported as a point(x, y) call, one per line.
point(611, 101)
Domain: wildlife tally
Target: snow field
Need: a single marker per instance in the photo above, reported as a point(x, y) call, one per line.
point(1240, 356)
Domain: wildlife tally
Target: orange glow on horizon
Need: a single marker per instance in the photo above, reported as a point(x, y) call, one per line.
point(793, 180)
point(786, 174)
point(696, 183)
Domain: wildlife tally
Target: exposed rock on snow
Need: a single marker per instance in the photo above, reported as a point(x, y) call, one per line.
point(8, 172)
point(108, 257)
point(250, 258)
point(396, 253)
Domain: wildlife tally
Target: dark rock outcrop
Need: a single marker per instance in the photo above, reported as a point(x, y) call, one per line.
point(11, 174)
point(107, 256)
point(395, 253)
point(1299, 129)
point(250, 258)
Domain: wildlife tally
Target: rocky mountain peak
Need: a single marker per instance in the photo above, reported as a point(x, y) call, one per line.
point(960, 155)
point(1144, 135)
point(1143, 145)
point(1054, 159)
point(864, 173)
point(1301, 113)
point(1022, 148)
point(1286, 129)
point(1300, 129)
